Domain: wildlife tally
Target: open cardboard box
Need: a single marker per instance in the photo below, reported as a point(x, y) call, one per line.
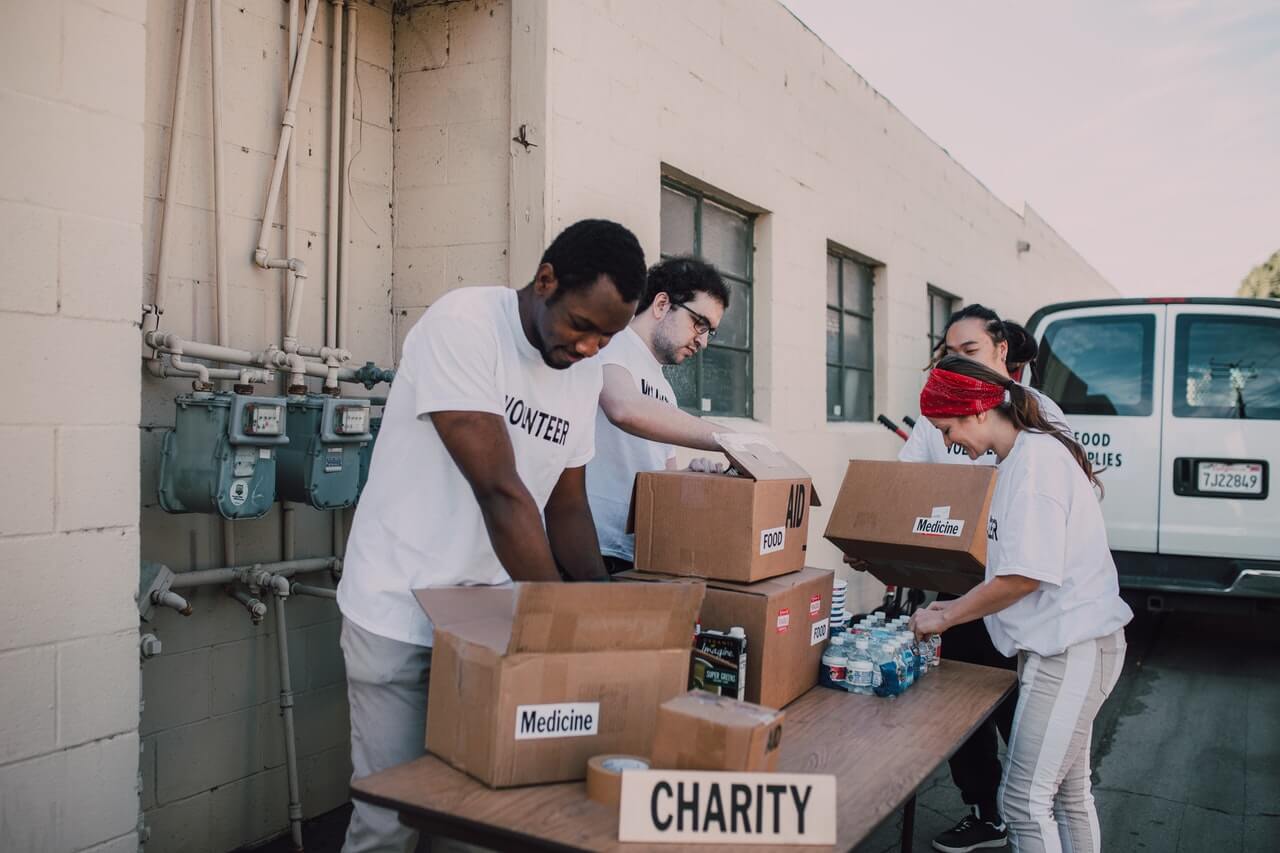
point(786, 619)
point(531, 680)
point(916, 524)
point(741, 528)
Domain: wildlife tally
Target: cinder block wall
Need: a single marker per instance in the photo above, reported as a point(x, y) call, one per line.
point(453, 107)
point(71, 93)
point(213, 749)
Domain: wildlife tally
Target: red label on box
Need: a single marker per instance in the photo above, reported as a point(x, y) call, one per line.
point(784, 620)
point(815, 606)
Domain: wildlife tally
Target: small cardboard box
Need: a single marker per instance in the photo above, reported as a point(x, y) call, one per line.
point(531, 680)
point(739, 528)
point(703, 731)
point(787, 620)
point(917, 524)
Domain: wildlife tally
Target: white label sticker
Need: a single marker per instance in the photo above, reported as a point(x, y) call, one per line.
point(938, 527)
point(818, 631)
point(784, 620)
point(239, 492)
point(941, 512)
point(706, 404)
point(773, 539)
point(264, 452)
point(700, 806)
point(559, 719)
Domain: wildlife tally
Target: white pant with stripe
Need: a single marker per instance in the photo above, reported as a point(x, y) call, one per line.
point(1045, 796)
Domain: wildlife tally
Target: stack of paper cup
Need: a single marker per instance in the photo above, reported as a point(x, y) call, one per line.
point(837, 601)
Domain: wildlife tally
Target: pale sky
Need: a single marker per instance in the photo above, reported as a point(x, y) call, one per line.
point(1146, 132)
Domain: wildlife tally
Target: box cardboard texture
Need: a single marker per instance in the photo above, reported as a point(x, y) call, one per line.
point(739, 528)
point(702, 731)
point(780, 616)
point(917, 524)
point(605, 655)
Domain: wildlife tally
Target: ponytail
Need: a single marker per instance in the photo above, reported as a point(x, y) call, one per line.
point(1023, 409)
point(1023, 349)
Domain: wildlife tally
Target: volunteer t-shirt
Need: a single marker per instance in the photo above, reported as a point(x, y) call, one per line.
point(418, 524)
point(1046, 524)
point(621, 455)
point(926, 444)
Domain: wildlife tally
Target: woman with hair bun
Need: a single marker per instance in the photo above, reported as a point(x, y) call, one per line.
point(1051, 597)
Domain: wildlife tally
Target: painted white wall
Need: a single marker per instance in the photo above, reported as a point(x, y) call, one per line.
point(741, 97)
point(71, 218)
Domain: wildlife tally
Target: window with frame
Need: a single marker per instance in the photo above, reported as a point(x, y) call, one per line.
point(1102, 365)
point(717, 381)
point(1226, 366)
point(941, 306)
point(850, 339)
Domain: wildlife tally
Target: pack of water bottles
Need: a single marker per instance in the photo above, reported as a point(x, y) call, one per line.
point(879, 657)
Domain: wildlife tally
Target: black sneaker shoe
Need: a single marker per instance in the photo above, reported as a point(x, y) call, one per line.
point(971, 833)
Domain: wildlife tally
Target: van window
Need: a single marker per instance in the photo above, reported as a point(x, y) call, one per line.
point(1099, 365)
point(1226, 367)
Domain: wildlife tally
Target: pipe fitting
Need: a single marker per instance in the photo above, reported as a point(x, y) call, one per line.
point(256, 609)
point(202, 371)
point(316, 591)
point(172, 600)
point(149, 646)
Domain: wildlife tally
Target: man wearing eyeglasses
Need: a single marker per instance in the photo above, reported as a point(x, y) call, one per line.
point(683, 303)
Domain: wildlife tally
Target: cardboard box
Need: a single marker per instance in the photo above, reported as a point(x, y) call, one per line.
point(740, 528)
point(917, 524)
point(703, 731)
point(529, 681)
point(787, 620)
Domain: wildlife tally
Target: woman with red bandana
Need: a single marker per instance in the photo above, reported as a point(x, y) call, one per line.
point(1051, 598)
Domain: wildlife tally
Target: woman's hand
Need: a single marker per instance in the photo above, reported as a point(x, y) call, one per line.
point(931, 620)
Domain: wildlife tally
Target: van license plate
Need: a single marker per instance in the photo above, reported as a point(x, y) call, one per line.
point(1240, 478)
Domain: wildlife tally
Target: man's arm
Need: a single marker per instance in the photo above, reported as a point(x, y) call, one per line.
point(630, 411)
point(479, 444)
point(571, 529)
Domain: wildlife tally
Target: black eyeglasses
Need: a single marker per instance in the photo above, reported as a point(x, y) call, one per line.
point(701, 324)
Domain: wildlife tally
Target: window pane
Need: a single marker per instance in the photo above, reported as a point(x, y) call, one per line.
point(857, 287)
point(833, 337)
point(677, 223)
point(1099, 365)
point(684, 381)
point(735, 326)
point(833, 281)
point(858, 395)
point(726, 238)
point(1227, 367)
point(835, 395)
point(726, 382)
point(858, 343)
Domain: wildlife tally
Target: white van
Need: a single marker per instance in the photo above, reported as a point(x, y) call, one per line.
point(1178, 400)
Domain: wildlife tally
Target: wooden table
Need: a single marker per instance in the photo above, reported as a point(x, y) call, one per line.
point(880, 751)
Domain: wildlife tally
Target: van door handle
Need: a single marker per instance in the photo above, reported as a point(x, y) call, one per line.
point(1182, 476)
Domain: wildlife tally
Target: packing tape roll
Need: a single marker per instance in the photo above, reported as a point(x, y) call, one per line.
point(604, 776)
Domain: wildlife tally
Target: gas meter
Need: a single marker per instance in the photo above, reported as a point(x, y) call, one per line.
point(221, 455)
point(321, 464)
point(366, 451)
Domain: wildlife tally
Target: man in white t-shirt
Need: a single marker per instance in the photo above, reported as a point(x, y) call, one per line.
point(684, 301)
point(486, 433)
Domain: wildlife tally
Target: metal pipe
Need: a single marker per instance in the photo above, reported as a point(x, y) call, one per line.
point(286, 712)
point(348, 121)
point(257, 610)
point(287, 122)
point(171, 599)
point(219, 179)
point(176, 128)
point(272, 359)
point(317, 591)
point(289, 529)
point(291, 170)
point(200, 371)
point(246, 574)
point(335, 141)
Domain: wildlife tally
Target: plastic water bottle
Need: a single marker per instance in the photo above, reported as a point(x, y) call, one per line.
point(860, 671)
point(908, 661)
point(889, 669)
point(919, 649)
point(834, 663)
point(935, 650)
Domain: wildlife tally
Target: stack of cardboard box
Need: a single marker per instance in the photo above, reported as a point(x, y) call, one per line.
point(745, 534)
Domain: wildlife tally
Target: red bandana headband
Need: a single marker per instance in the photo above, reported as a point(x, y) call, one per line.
point(952, 395)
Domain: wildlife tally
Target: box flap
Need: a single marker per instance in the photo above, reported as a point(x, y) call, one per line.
point(478, 614)
point(759, 458)
point(594, 617)
point(766, 587)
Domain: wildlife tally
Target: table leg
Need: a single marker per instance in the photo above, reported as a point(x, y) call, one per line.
point(908, 824)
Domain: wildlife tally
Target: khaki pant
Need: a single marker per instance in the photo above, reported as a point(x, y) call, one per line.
point(1045, 796)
